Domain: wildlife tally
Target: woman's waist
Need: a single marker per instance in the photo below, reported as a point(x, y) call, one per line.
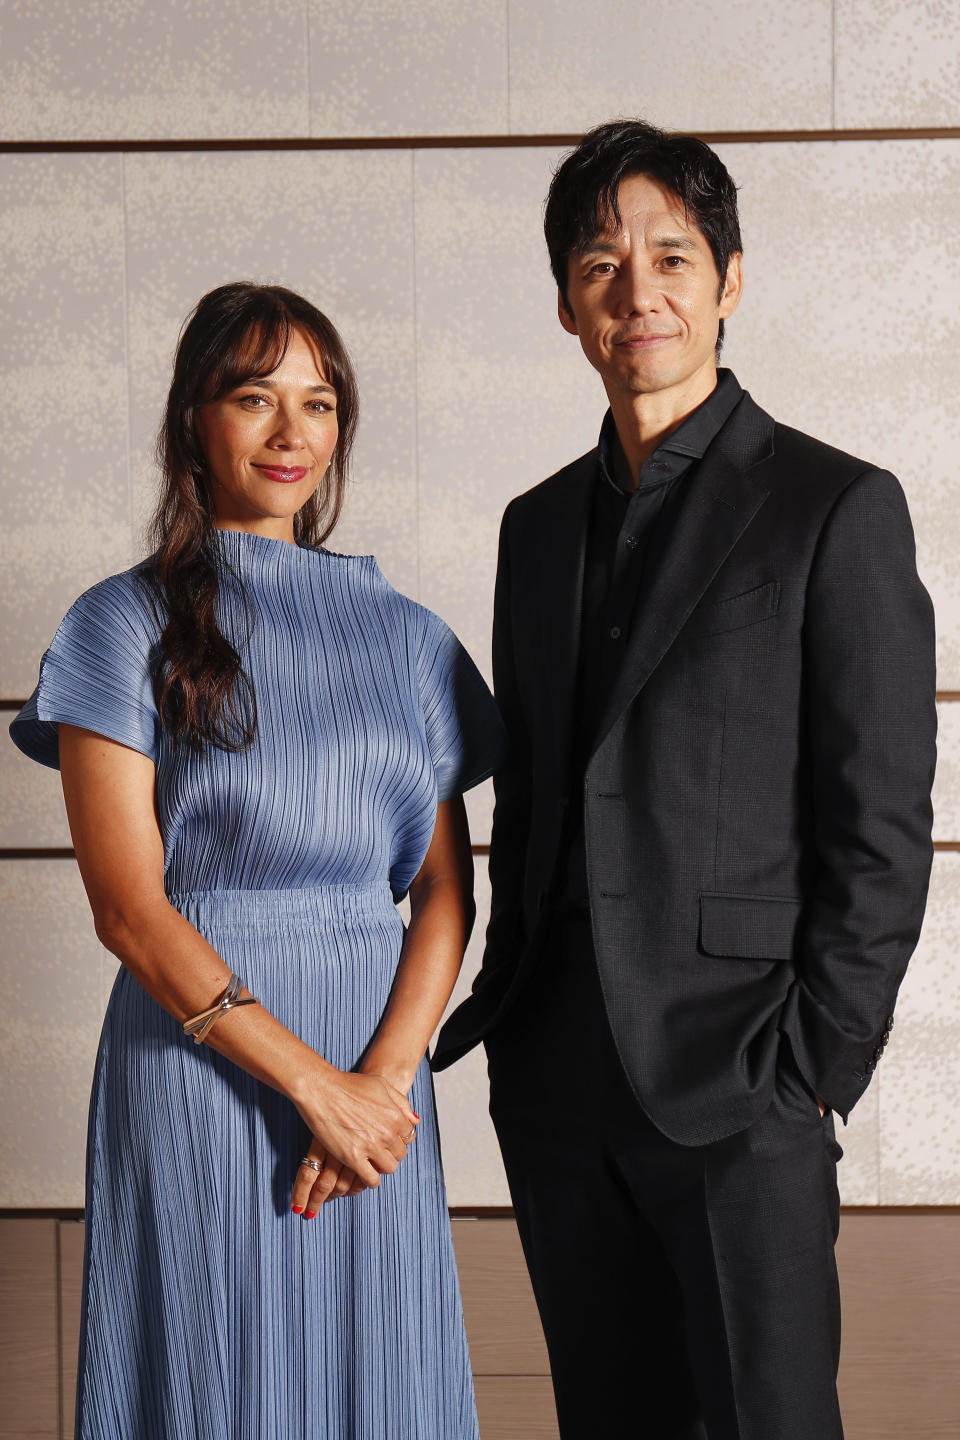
point(309, 906)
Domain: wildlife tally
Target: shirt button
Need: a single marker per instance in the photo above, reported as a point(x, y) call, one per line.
point(615, 632)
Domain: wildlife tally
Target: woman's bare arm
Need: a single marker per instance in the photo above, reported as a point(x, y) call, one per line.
point(442, 912)
point(109, 795)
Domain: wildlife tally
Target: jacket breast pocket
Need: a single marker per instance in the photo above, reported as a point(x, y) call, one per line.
point(749, 927)
point(738, 611)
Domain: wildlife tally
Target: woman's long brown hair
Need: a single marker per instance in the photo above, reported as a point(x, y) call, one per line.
point(237, 333)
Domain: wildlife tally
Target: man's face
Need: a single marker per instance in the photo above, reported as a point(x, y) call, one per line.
point(644, 300)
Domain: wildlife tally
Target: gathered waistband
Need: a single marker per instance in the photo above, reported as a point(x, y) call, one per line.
point(310, 905)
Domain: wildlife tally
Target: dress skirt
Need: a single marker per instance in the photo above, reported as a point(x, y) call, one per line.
point(211, 1312)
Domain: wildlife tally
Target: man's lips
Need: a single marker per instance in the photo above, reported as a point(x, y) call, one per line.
point(283, 474)
point(640, 341)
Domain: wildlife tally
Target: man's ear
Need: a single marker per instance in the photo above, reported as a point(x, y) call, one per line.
point(565, 315)
point(732, 286)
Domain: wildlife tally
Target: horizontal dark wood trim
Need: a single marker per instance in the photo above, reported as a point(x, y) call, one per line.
point(40, 852)
point(502, 1212)
point(53, 852)
point(943, 697)
point(453, 142)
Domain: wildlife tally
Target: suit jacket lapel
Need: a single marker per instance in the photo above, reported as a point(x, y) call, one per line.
point(560, 594)
point(721, 498)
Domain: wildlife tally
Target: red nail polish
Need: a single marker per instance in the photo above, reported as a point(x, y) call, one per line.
point(415, 1113)
point(297, 1209)
point(310, 1215)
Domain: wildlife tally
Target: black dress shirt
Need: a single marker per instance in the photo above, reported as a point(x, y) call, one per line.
point(627, 527)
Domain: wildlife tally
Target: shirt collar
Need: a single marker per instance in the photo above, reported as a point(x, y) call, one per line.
point(690, 441)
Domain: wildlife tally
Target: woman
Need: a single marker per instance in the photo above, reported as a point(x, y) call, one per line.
point(262, 748)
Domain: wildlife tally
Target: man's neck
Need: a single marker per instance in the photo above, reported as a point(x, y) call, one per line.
point(644, 421)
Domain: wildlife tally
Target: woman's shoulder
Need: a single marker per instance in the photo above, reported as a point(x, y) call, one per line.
point(123, 604)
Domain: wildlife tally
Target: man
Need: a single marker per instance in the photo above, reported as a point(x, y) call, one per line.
point(711, 842)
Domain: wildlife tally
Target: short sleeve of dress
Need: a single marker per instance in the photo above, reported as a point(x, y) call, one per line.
point(96, 674)
point(465, 734)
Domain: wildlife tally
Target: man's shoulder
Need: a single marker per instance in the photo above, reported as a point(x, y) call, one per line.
point(576, 476)
point(798, 455)
point(796, 447)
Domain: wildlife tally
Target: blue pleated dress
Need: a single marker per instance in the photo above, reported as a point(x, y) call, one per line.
point(210, 1311)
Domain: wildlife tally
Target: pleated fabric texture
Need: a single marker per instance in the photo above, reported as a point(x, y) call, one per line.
point(210, 1311)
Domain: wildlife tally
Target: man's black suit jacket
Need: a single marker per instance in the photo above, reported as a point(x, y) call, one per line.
point(757, 803)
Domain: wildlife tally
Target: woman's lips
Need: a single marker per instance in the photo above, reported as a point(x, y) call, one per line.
point(283, 474)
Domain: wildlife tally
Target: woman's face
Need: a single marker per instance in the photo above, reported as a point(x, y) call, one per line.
point(269, 442)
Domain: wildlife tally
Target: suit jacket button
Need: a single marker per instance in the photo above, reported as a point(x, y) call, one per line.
point(885, 1038)
point(878, 1053)
point(870, 1066)
point(889, 1022)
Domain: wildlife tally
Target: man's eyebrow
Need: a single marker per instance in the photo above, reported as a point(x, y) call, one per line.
point(674, 242)
point(601, 244)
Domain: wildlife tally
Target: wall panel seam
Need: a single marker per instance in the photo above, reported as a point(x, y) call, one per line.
point(416, 365)
point(125, 305)
point(447, 142)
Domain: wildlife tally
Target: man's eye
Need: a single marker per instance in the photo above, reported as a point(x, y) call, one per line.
point(603, 267)
point(674, 262)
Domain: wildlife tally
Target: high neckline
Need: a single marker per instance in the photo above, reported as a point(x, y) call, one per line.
point(248, 545)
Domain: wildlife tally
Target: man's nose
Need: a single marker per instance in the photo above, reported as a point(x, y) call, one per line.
point(638, 292)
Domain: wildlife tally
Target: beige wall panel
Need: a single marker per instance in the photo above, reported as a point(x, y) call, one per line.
point(64, 507)
point(712, 66)
point(29, 1399)
point(920, 1072)
point(479, 802)
point(131, 70)
point(898, 64)
point(31, 801)
point(336, 226)
point(471, 1156)
point(946, 788)
point(386, 67)
point(844, 334)
point(53, 974)
point(858, 1174)
point(504, 395)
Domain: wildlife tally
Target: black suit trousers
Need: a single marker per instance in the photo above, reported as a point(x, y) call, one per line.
point(685, 1291)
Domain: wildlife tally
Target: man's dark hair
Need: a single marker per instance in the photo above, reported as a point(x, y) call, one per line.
point(582, 200)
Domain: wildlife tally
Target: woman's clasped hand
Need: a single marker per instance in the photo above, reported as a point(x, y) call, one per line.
point(361, 1128)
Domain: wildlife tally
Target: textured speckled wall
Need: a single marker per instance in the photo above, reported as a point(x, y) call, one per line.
point(432, 262)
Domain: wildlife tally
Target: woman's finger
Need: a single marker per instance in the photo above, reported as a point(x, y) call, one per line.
point(345, 1183)
point(310, 1167)
point(322, 1188)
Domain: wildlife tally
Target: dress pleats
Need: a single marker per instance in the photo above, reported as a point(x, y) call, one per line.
point(210, 1311)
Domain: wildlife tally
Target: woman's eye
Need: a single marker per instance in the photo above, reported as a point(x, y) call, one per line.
point(253, 402)
point(321, 407)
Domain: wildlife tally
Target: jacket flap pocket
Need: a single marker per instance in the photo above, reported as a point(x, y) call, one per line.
point(738, 611)
point(752, 927)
